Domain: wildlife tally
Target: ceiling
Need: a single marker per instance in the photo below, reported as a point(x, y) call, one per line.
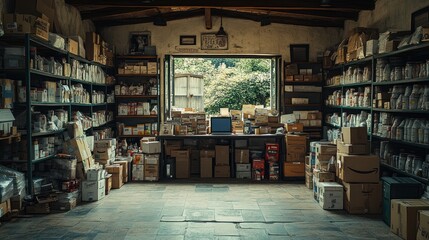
point(321, 13)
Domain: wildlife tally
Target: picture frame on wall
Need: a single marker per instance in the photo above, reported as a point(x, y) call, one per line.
point(209, 41)
point(138, 41)
point(299, 53)
point(188, 40)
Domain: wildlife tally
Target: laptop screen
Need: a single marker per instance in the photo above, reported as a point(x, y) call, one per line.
point(221, 124)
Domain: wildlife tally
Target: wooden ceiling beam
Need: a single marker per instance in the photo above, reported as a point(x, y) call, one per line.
point(304, 15)
point(111, 12)
point(273, 4)
point(208, 18)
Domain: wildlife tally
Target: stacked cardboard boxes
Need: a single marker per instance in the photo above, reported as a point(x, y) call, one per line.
point(206, 163)
point(222, 167)
point(296, 149)
point(404, 218)
point(359, 172)
point(116, 171)
point(324, 168)
point(104, 151)
point(423, 229)
point(124, 170)
point(138, 167)
point(195, 123)
point(93, 189)
point(151, 151)
point(242, 164)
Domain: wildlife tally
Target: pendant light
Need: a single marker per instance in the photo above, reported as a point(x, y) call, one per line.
point(221, 32)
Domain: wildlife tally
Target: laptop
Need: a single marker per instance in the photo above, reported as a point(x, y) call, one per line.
point(221, 125)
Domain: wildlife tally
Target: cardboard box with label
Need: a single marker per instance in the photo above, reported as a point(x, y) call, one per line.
point(242, 155)
point(362, 198)
point(329, 149)
point(354, 135)
point(358, 168)
point(93, 190)
point(138, 172)
point(404, 215)
point(104, 153)
point(294, 139)
point(330, 195)
point(24, 23)
point(294, 127)
point(222, 155)
point(309, 180)
point(243, 167)
point(151, 172)
point(124, 170)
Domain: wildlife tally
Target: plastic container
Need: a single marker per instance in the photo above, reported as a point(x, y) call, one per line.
point(417, 165)
point(409, 163)
point(400, 131)
point(402, 161)
point(414, 134)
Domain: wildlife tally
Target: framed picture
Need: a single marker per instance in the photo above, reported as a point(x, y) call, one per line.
point(138, 41)
point(420, 18)
point(188, 40)
point(209, 41)
point(299, 53)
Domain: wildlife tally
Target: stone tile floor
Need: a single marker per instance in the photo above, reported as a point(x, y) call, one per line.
point(200, 211)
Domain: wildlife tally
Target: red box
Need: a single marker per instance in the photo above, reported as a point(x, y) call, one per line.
point(272, 152)
point(258, 164)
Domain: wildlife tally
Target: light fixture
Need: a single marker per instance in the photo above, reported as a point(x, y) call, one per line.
point(221, 31)
point(159, 21)
point(325, 3)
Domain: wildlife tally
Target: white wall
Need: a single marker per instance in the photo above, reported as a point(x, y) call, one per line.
point(244, 36)
point(388, 15)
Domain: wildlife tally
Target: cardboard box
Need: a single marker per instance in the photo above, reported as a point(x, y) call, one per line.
point(358, 168)
point(108, 184)
point(295, 157)
point(328, 149)
point(222, 155)
point(309, 180)
point(243, 167)
point(138, 172)
point(116, 171)
point(151, 159)
point(323, 176)
point(362, 198)
point(404, 216)
point(300, 101)
point(5, 207)
point(151, 147)
point(294, 127)
point(294, 169)
point(95, 174)
point(423, 229)
point(104, 153)
point(354, 135)
point(288, 118)
point(93, 190)
point(105, 143)
point(330, 195)
point(222, 171)
point(124, 165)
point(293, 139)
point(296, 149)
point(242, 155)
point(24, 23)
point(37, 8)
point(73, 46)
point(183, 166)
point(298, 78)
point(206, 167)
point(151, 172)
point(243, 175)
point(352, 149)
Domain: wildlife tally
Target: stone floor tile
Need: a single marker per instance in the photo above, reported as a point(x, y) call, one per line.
point(228, 215)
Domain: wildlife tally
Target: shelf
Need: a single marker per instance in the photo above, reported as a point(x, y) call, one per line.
point(44, 158)
point(9, 138)
point(357, 62)
point(405, 81)
point(136, 96)
point(39, 134)
point(98, 104)
point(80, 81)
point(46, 74)
point(333, 106)
point(103, 84)
point(135, 136)
point(48, 104)
point(412, 144)
point(136, 116)
point(136, 75)
point(318, 83)
point(104, 124)
point(424, 180)
point(303, 105)
point(403, 50)
point(332, 125)
point(400, 110)
point(136, 57)
point(81, 104)
point(350, 85)
point(46, 44)
point(357, 108)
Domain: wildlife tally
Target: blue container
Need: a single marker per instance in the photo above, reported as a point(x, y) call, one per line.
point(399, 188)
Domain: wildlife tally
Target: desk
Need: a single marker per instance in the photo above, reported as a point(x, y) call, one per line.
point(227, 140)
